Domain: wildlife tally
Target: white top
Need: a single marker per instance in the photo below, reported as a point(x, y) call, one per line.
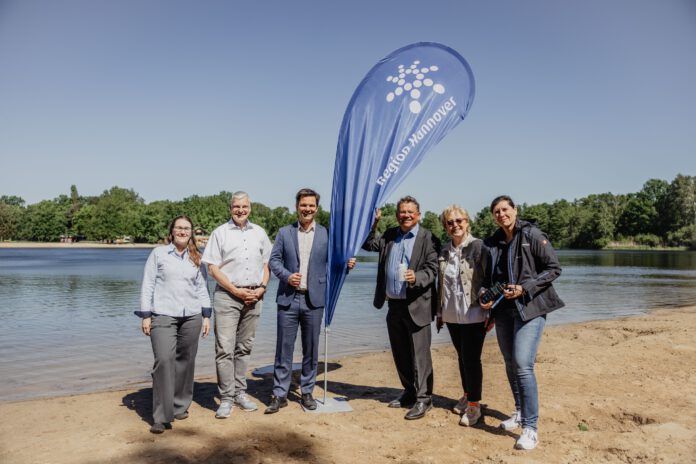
point(305, 240)
point(455, 308)
point(173, 285)
point(240, 253)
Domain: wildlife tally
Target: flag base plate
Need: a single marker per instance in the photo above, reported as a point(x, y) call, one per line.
point(338, 404)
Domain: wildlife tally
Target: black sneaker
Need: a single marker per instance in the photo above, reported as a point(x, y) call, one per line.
point(276, 404)
point(308, 402)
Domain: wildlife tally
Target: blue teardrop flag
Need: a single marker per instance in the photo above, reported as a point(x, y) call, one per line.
point(404, 106)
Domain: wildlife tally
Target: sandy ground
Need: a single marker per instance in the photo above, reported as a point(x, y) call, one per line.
point(610, 391)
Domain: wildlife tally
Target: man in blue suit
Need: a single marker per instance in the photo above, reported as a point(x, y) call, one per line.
point(299, 259)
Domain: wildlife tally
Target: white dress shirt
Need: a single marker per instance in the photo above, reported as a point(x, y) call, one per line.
point(240, 253)
point(305, 240)
point(455, 307)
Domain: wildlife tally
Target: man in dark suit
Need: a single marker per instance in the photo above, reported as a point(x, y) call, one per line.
point(299, 258)
point(406, 280)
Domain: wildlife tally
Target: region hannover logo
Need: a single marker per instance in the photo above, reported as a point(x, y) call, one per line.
point(417, 80)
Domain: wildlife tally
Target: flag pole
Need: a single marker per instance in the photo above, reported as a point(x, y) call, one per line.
point(326, 358)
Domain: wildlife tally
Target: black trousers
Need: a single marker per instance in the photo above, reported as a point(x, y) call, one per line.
point(468, 341)
point(410, 345)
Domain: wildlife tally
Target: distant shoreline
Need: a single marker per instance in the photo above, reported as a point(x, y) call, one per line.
point(123, 246)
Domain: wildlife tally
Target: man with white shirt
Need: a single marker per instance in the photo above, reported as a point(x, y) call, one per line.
point(237, 256)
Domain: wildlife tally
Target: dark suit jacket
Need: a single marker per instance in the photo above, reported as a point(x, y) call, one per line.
point(285, 260)
point(421, 296)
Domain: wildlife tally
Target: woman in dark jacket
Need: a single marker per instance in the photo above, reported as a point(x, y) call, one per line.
point(523, 261)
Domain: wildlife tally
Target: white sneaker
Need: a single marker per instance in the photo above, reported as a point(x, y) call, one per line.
point(471, 417)
point(244, 402)
point(513, 422)
point(224, 410)
point(528, 439)
point(460, 407)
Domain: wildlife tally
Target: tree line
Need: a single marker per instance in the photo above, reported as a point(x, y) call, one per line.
point(661, 214)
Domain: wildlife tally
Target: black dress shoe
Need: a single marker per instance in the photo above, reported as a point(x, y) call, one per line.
point(404, 401)
point(308, 401)
point(276, 403)
point(419, 409)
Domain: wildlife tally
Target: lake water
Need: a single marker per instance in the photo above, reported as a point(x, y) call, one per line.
point(68, 327)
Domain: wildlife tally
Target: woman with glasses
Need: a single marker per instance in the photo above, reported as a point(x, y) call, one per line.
point(174, 307)
point(461, 269)
point(523, 263)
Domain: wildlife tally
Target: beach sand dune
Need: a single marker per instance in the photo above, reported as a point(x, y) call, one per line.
point(621, 391)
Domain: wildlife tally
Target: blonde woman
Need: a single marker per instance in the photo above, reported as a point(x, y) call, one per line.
point(175, 309)
point(461, 269)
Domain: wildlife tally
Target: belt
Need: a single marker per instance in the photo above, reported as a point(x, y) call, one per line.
point(302, 291)
point(248, 287)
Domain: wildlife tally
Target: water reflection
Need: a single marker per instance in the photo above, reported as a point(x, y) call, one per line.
point(68, 324)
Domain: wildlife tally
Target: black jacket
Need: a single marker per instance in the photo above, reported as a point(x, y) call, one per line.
point(421, 297)
point(532, 263)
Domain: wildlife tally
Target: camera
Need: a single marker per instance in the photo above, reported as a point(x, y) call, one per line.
point(495, 293)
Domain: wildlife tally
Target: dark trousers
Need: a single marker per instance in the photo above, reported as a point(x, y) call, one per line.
point(174, 344)
point(298, 314)
point(468, 341)
point(410, 345)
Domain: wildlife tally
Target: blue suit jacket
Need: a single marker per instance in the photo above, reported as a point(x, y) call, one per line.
point(285, 260)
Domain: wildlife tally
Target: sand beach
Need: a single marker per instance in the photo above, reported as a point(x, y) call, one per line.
point(621, 390)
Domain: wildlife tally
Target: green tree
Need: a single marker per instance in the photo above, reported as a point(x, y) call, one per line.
point(155, 220)
point(10, 220)
point(483, 225)
point(43, 221)
point(597, 227)
point(323, 217)
point(388, 218)
point(207, 212)
point(679, 211)
point(83, 221)
point(75, 204)
point(681, 202)
point(643, 212)
point(537, 214)
point(431, 221)
point(271, 219)
point(564, 224)
point(12, 200)
point(117, 213)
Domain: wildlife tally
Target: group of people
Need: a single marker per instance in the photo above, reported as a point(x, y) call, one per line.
point(420, 280)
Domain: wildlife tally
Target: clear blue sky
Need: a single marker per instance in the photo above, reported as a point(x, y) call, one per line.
point(176, 98)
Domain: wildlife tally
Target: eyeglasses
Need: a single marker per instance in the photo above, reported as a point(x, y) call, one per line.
point(458, 221)
point(182, 229)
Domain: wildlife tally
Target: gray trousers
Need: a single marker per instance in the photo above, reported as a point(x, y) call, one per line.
point(174, 344)
point(235, 329)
